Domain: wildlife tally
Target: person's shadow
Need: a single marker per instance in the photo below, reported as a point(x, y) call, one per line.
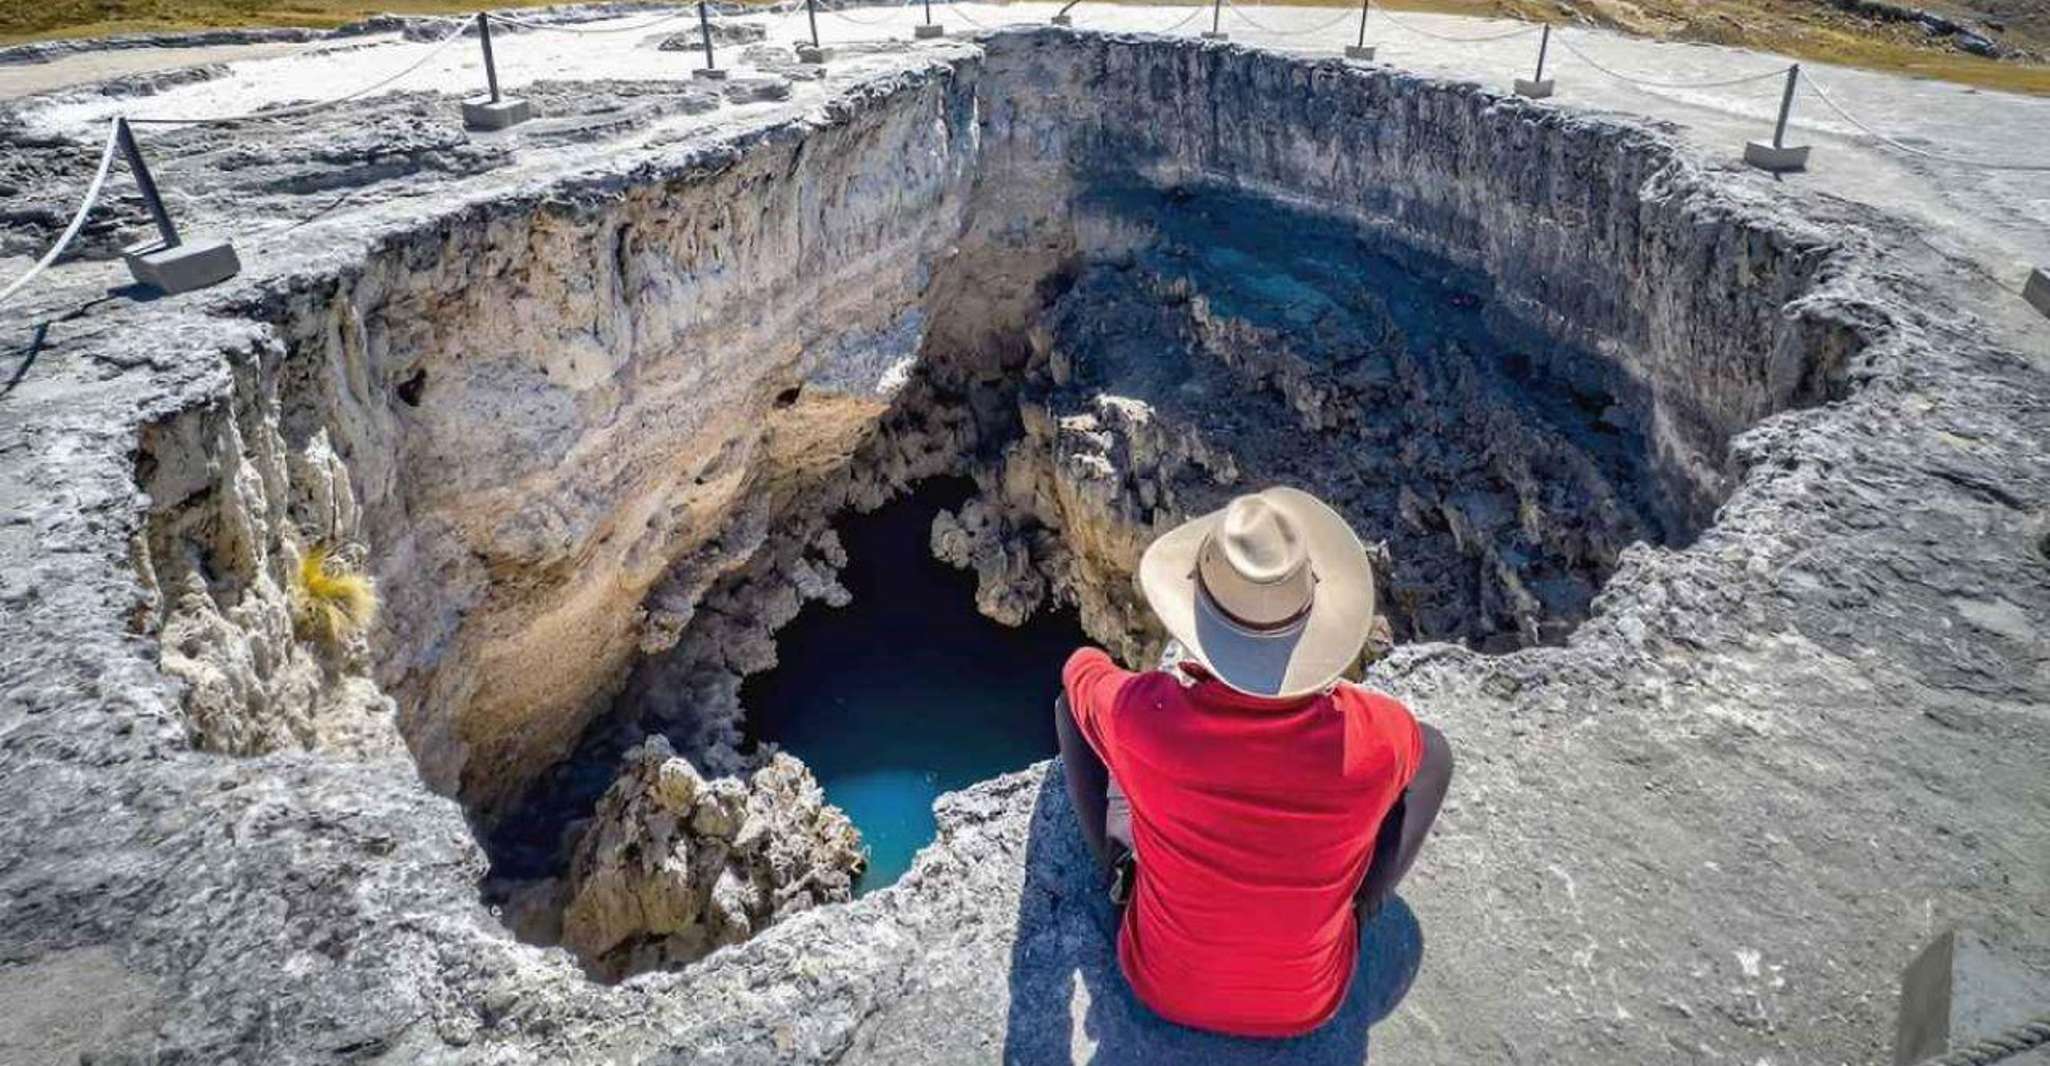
point(1064, 961)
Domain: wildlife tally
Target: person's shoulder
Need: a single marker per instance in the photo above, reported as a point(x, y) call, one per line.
point(1376, 726)
point(1359, 696)
point(1377, 711)
point(1089, 655)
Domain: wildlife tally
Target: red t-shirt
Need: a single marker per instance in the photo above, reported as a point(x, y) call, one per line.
point(1254, 821)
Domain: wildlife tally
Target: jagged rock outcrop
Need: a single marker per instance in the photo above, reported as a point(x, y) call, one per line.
point(1008, 587)
point(234, 509)
point(1500, 498)
point(673, 867)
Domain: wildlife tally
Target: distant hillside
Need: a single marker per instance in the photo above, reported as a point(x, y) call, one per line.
point(1996, 43)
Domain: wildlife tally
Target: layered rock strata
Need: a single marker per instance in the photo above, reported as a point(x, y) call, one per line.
point(599, 386)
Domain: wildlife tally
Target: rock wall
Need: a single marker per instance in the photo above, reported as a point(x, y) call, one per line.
point(1704, 314)
point(522, 418)
point(1596, 321)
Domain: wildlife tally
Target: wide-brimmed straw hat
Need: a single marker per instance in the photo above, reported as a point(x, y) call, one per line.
point(1273, 594)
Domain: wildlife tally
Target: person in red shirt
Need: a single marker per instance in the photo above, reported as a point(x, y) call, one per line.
point(1253, 807)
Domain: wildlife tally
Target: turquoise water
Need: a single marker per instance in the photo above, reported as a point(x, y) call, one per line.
point(907, 692)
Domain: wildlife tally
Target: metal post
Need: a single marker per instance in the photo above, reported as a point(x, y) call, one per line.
point(490, 65)
point(1536, 87)
point(705, 28)
point(147, 184)
point(811, 12)
point(1362, 51)
point(928, 12)
point(1779, 156)
point(1216, 14)
point(1779, 129)
point(493, 111)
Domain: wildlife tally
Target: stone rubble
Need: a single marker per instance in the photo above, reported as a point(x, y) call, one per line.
point(673, 867)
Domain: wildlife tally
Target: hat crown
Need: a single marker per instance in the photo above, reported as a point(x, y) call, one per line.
point(1259, 542)
point(1255, 565)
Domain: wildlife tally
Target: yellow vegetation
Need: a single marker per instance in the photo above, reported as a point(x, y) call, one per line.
point(331, 602)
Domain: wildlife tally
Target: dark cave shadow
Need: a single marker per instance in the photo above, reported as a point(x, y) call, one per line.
point(1065, 955)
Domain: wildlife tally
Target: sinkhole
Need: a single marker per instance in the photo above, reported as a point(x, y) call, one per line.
point(907, 692)
point(725, 517)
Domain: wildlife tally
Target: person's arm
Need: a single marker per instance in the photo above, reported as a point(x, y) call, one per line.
point(1088, 782)
point(1408, 822)
point(1090, 682)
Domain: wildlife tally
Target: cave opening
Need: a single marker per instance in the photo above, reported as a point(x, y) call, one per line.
point(907, 692)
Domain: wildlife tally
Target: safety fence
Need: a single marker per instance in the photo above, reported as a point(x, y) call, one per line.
point(495, 111)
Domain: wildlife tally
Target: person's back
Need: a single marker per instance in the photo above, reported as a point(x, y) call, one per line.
point(1255, 820)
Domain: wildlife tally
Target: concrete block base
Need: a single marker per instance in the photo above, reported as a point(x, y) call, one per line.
point(1216, 35)
point(807, 54)
point(1776, 158)
point(1959, 991)
point(192, 265)
point(484, 114)
point(1064, 20)
point(708, 74)
point(2037, 290)
point(1536, 90)
point(1360, 51)
point(928, 31)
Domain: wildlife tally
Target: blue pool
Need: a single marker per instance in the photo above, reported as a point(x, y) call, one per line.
point(907, 692)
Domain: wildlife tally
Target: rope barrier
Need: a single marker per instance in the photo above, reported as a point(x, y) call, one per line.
point(1620, 76)
point(287, 112)
point(840, 14)
point(954, 6)
point(557, 27)
point(1421, 32)
point(2040, 1033)
point(2005, 1044)
point(790, 16)
point(1941, 157)
point(1178, 23)
point(92, 196)
point(1343, 16)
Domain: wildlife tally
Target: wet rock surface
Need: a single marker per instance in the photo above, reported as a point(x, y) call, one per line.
point(1712, 823)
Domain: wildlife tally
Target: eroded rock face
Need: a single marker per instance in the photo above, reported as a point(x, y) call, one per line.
point(540, 416)
point(234, 509)
point(673, 867)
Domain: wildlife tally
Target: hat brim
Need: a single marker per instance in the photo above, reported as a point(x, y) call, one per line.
point(1296, 661)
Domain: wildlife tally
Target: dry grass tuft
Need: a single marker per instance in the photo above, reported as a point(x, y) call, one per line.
point(331, 602)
